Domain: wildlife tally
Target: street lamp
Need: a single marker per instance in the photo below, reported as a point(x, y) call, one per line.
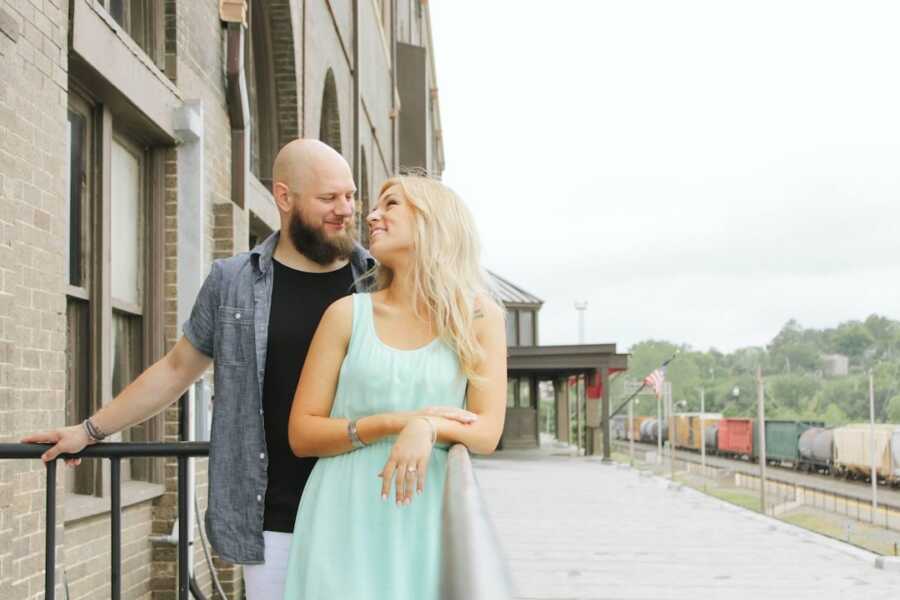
point(581, 307)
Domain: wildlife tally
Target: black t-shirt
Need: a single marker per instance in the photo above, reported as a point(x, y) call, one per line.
point(298, 301)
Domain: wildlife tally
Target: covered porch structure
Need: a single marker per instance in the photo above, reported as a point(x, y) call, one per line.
point(576, 419)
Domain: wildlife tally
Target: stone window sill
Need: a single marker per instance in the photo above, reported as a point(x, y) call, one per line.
point(79, 506)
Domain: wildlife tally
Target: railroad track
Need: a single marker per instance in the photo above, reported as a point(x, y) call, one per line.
point(856, 490)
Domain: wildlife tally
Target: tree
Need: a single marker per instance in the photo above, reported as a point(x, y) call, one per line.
point(794, 390)
point(852, 339)
point(893, 409)
point(833, 415)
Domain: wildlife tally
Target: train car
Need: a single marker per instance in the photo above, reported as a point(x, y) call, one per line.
point(618, 425)
point(637, 422)
point(816, 450)
point(712, 437)
point(853, 451)
point(646, 434)
point(688, 429)
point(737, 438)
point(783, 439)
point(655, 428)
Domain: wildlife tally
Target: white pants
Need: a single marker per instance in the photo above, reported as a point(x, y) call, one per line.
point(266, 581)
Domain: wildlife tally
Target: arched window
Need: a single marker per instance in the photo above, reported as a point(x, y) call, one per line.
point(259, 67)
point(330, 123)
point(362, 199)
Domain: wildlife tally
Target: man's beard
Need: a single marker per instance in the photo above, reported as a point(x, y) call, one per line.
point(314, 245)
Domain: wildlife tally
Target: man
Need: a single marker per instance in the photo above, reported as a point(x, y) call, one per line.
point(253, 319)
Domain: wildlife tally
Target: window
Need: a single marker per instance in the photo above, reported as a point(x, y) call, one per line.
point(79, 402)
point(127, 257)
point(330, 122)
point(524, 393)
point(511, 328)
point(526, 328)
point(144, 21)
point(113, 290)
point(510, 393)
point(260, 73)
point(362, 199)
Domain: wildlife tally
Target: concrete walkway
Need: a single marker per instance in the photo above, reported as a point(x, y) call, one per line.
point(574, 528)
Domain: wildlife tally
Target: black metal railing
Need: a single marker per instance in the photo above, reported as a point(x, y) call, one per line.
point(115, 452)
point(472, 567)
point(472, 563)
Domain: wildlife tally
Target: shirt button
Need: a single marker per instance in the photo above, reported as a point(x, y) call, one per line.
point(237, 315)
point(260, 411)
point(259, 497)
point(262, 456)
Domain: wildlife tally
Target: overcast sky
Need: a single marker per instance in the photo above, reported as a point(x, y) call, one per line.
point(697, 171)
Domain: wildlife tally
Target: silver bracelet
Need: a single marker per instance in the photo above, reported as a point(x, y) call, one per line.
point(354, 436)
point(94, 432)
point(433, 430)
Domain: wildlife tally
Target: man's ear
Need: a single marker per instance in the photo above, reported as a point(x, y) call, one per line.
point(282, 195)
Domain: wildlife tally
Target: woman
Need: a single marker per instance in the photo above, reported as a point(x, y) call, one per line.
point(381, 396)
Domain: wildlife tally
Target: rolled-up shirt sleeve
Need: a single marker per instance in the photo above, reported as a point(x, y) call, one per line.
point(200, 328)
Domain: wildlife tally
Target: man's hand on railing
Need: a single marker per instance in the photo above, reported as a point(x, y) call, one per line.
point(67, 440)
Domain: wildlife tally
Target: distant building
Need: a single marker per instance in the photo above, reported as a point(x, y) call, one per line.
point(835, 365)
point(577, 414)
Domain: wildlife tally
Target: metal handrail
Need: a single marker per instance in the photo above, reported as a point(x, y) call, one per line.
point(115, 452)
point(472, 564)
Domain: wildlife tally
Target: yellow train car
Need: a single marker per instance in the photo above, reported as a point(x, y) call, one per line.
point(636, 427)
point(688, 429)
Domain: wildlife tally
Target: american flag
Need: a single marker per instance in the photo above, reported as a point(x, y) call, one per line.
point(656, 380)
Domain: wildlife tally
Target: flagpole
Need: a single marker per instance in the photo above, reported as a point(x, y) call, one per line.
point(659, 429)
point(640, 389)
point(671, 430)
point(631, 434)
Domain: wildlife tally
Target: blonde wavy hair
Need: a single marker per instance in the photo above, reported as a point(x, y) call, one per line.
point(447, 276)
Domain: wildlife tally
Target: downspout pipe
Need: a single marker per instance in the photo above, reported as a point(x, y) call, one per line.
point(357, 168)
point(238, 110)
point(395, 104)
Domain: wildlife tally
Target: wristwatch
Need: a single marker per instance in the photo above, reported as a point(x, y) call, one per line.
point(353, 435)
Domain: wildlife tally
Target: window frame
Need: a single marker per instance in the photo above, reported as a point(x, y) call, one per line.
point(512, 320)
point(101, 129)
point(151, 32)
point(519, 331)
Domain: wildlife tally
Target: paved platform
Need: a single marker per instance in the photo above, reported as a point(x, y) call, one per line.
point(573, 528)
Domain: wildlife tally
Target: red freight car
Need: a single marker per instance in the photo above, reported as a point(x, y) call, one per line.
point(736, 437)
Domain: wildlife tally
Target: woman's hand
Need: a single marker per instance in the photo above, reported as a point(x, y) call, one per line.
point(452, 413)
point(408, 462)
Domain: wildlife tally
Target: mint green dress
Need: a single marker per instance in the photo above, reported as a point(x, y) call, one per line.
point(348, 543)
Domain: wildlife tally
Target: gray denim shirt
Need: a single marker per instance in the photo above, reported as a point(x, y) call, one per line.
point(230, 322)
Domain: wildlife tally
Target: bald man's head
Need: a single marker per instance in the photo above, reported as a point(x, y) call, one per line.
point(314, 191)
point(302, 161)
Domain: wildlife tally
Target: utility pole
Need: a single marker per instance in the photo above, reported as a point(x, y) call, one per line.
point(581, 307)
point(703, 431)
point(671, 431)
point(659, 428)
point(761, 423)
point(874, 445)
point(631, 433)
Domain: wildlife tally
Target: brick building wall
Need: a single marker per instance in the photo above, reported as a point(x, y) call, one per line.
point(33, 65)
point(307, 39)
